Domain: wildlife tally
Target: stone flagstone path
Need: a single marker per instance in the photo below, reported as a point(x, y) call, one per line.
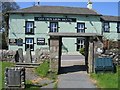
point(75, 80)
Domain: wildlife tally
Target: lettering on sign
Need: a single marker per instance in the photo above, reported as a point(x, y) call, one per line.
point(40, 41)
point(55, 19)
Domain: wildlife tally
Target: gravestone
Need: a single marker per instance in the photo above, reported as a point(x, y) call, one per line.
point(15, 77)
point(20, 52)
point(37, 55)
point(28, 57)
point(16, 57)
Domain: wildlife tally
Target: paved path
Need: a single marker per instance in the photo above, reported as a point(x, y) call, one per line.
point(75, 80)
point(74, 74)
point(76, 56)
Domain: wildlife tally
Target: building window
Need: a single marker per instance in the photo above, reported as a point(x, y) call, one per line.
point(80, 43)
point(106, 27)
point(80, 27)
point(40, 41)
point(118, 27)
point(29, 27)
point(53, 26)
point(29, 43)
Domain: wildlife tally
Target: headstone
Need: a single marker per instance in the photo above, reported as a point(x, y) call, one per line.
point(37, 55)
point(16, 57)
point(20, 52)
point(28, 58)
point(15, 77)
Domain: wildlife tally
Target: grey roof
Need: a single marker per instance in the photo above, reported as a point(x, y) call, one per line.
point(110, 18)
point(56, 10)
point(75, 34)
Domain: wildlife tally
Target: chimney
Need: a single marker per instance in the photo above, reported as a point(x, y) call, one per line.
point(37, 3)
point(89, 4)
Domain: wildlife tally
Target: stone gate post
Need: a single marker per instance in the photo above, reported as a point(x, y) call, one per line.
point(54, 54)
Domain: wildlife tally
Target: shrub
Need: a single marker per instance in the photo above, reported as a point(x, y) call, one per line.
point(43, 69)
point(82, 51)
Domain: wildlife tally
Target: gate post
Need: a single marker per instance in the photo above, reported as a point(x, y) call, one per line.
point(90, 55)
point(54, 54)
point(94, 44)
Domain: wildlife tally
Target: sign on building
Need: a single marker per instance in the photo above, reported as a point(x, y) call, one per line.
point(55, 19)
point(40, 41)
point(12, 41)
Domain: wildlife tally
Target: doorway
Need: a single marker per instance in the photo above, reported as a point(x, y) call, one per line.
point(72, 61)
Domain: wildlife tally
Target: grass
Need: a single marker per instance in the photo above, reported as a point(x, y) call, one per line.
point(43, 69)
point(3, 65)
point(55, 86)
point(106, 80)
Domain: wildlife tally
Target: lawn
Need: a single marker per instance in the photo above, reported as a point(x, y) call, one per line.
point(106, 80)
point(43, 69)
point(3, 65)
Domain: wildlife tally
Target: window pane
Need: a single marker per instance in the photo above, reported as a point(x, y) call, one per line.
point(29, 43)
point(80, 27)
point(53, 27)
point(31, 47)
point(55, 30)
point(27, 40)
point(106, 27)
point(29, 27)
point(81, 46)
point(118, 27)
point(30, 40)
point(28, 30)
point(27, 46)
point(31, 24)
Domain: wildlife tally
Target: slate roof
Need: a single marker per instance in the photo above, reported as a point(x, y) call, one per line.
point(56, 10)
point(110, 18)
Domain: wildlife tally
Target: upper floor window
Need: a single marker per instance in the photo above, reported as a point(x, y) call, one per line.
point(106, 27)
point(81, 27)
point(29, 27)
point(53, 26)
point(118, 27)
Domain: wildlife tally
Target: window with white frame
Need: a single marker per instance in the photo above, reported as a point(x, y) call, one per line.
point(29, 27)
point(106, 27)
point(118, 27)
point(80, 27)
point(29, 43)
point(80, 43)
point(53, 26)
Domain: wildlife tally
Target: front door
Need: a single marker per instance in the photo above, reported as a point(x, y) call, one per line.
point(29, 43)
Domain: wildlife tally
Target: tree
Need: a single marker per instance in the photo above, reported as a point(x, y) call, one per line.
point(6, 6)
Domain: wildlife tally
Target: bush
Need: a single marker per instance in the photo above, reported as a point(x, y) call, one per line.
point(82, 51)
point(43, 69)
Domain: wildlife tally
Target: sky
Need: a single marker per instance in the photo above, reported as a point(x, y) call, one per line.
point(105, 8)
